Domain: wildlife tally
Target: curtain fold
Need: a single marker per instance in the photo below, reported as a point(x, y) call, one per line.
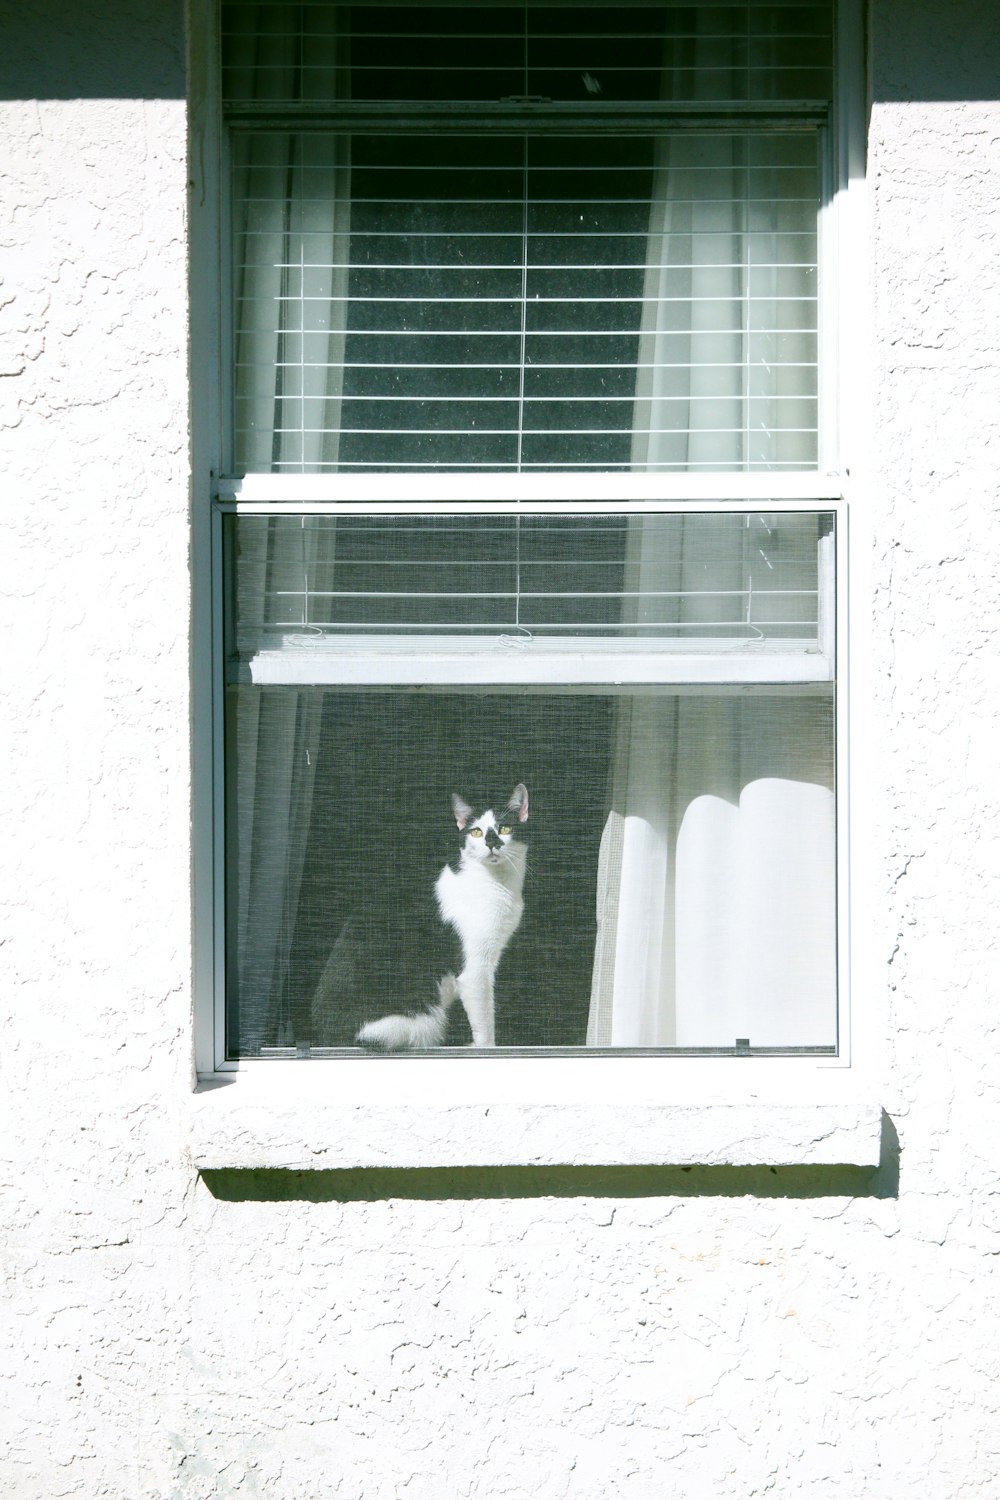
point(275, 739)
point(690, 410)
point(291, 274)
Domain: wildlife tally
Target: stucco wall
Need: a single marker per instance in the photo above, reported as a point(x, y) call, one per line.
point(627, 1333)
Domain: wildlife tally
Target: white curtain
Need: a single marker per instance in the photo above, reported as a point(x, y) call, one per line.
point(716, 883)
point(716, 895)
point(690, 411)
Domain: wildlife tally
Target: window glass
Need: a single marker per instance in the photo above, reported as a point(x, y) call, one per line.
point(697, 579)
point(702, 49)
point(584, 301)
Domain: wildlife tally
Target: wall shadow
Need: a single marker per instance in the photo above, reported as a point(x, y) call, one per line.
point(934, 51)
point(441, 1184)
point(74, 49)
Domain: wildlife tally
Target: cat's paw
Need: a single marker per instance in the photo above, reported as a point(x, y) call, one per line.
point(448, 990)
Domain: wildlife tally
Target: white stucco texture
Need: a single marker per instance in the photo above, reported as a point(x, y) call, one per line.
point(820, 1331)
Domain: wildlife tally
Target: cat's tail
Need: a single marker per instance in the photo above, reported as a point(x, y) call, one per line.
point(412, 1033)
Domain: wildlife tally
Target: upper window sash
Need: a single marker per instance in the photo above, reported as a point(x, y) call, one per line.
point(417, 302)
point(607, 261)
point(592, 53)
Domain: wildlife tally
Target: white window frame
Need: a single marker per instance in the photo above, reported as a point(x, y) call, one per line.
point(680, 1108)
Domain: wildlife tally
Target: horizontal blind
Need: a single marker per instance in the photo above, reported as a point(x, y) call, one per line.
point(665, 50)
point(669, 577)
point(525, 302)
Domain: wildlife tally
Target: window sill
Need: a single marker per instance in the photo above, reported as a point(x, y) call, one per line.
point(420, 1113)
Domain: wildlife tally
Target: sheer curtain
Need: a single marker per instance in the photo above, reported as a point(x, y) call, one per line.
point(291, 222)
point(717, 871)
point(717, 876)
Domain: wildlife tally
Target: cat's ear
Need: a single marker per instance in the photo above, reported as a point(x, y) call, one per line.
point(519, 802)
point(461, 809)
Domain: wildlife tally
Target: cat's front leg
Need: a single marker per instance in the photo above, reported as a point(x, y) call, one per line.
point(476, 990)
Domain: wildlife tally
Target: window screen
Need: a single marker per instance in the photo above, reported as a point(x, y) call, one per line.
point(680, 881)
point(527, 240)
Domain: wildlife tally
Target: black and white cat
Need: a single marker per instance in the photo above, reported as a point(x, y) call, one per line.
point(394, 976)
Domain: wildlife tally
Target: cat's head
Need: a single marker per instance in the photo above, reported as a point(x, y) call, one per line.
point(487, 835)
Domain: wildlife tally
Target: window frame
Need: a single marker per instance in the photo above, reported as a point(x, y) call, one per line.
point(843, 415)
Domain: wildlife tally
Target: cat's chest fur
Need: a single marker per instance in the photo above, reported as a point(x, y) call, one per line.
point(483, 904)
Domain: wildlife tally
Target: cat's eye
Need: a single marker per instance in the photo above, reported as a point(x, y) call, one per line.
point(506, 829)
point(475, 833)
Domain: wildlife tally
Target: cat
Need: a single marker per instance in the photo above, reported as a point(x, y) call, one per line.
point(395, 974)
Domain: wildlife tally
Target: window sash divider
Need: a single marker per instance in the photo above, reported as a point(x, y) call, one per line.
point(543, 493)
point(480, 119)
point(743, 668)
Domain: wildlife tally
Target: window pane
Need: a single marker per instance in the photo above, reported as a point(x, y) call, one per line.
point(415, 302)
point(727, 50)
point(680, 868)
point(305, 585)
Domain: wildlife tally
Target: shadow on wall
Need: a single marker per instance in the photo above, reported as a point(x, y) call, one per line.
point(75, 49)
point(372, 1185)
point(134, 49)
point(934, 50)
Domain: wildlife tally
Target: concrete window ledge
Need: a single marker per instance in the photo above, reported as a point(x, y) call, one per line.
point(316, 1117)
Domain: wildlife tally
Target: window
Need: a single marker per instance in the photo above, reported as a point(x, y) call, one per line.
point(528, 432)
